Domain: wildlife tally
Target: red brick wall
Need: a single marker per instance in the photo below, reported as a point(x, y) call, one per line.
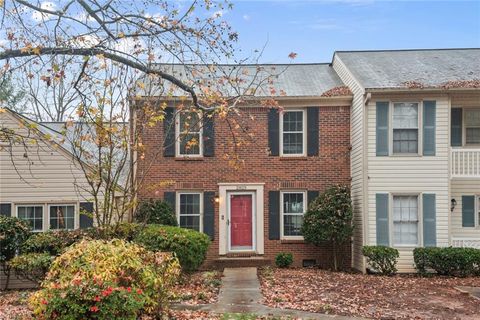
point(331, 167)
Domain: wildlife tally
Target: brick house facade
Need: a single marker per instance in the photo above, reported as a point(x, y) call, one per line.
point(263, 179)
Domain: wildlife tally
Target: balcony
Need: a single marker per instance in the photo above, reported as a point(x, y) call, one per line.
point(465, 163)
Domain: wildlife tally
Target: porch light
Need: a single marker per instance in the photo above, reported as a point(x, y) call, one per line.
point(216, 198)
point(453, 204)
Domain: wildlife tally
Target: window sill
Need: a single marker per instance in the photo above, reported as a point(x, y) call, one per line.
point(294, 158)
point(180, 158)
point(292, 241)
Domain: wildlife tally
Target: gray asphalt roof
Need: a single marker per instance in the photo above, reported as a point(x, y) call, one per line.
point(293, 80)
point(432, 68)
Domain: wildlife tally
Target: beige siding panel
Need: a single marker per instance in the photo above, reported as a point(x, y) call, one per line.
point(357, 160)
point(47, 175)
point(458, 188)
point(15, 282)
point(411, 174)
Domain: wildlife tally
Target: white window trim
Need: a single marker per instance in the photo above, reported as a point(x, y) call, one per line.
point(464, 128)
point(177, 206)
point(304, 134)
point(177, 139)
point(23, 205)
point(419, 126)
point(419, 225)
point(75, 220)
point(282, 193)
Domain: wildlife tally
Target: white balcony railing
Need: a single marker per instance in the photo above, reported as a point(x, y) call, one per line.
point(465, 163)
point(466, 243)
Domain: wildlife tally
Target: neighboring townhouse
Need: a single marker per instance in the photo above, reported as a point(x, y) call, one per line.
point(415, 157)
point(253, 209)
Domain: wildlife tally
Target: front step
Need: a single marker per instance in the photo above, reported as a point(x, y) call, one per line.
point(240, 262)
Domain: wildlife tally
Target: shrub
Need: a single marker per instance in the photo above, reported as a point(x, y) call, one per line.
point(329, 219)
point(381, 259)
point(189, 246)
point(284, 259)
point(13, 232)
point(32, 266)
point(94, 279)
point(53, 242)
point(448, 261)
point(156, 212)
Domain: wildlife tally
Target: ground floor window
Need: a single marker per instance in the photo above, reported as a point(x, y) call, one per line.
point(33, 214)
point(189, 210)
point(62, 217)
point(405, 220)
point(293, 209)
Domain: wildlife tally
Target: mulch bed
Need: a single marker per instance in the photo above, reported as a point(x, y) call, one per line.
point(378, 297)
point(13, 305)
point(198, 288)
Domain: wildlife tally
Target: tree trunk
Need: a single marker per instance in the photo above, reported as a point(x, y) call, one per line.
point(334, 249)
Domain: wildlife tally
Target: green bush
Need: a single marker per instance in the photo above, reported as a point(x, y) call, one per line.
point(33, 266)
point(284, 259)
point(13, 233)
point(53, 242)
point(381, 259)
point(98, 279)
point(329, 220)
point(448, 261)
point(189, 246)
point(156, 212)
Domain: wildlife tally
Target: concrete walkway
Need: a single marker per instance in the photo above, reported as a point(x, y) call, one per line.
point(240, 293)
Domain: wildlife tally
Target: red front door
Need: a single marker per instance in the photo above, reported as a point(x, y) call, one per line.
point(241, 221)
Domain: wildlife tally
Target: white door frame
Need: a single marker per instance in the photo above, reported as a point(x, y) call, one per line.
point(229, 220)
point(258, 207)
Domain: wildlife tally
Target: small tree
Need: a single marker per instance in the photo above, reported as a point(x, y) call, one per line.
point(156, 212)
point(329, 219)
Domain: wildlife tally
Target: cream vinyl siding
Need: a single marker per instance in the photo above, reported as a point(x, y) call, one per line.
point(49, 175)
point(459, 188)
point(411, 174)
point(357, 132)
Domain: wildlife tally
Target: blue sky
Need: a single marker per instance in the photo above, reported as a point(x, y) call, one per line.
point(315, 29)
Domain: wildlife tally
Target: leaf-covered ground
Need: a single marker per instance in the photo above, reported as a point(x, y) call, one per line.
point(196, 288)
point(398, 297)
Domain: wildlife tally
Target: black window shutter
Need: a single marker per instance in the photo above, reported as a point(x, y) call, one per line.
point(209, 136)
point(312, 131)
point(456, 127)
point(86, 215)
point(311, 195)
point(273, 132)
point(169, 133)
point(274, 215)
point(6, 209)
point(209, 214)
point(169, 197)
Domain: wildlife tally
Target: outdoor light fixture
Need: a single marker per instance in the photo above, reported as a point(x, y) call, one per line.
point(453, 204)
point(217, 198)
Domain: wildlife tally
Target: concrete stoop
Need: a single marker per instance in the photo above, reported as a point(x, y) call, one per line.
point(240, 262)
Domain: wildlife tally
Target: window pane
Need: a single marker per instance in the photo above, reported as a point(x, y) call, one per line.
point(62, 217)
point(293, 121)
point(472, 117)
point(405, 115)
point(292, 203)
point(292, 143)
point(292, 225)
point(190, 204)
point(190, 222)
point(405, 140)
point(405, 220)
point(473, 136)
point(190, 143)
point(33, 215)
point(189, 122)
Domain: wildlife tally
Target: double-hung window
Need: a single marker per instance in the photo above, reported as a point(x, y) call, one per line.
point(293, 209)
point(405, 128)
point(293, 137)
point(32, 214)
point(405, 221)
point(189, 133)
point(190, 210)
point(62, 217)
point(472, 126)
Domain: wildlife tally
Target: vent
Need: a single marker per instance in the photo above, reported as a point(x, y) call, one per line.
point(309, 263)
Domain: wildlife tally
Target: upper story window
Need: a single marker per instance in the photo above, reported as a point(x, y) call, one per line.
point(62, 217)
point(472, 126)
point(189, 210)
point(293, 137)
point(32, 214)
point(189, 133)
point(405, 128)
point(405, 220)
point(293, 209)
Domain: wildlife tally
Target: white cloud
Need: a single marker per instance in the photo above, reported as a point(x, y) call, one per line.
point(246, 17)
point(39, 16)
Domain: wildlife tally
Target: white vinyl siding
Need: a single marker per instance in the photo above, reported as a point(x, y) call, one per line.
point(189, 134)
point(189, 210)
point(405, 128)
point(405, 220)
point(292, 211)
point(293, 133)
